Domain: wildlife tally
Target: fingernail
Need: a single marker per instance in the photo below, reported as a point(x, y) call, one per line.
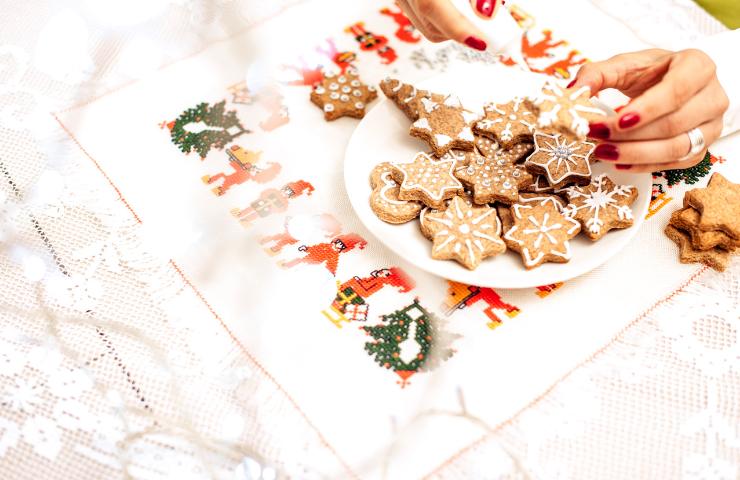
point(476, 43)
point(485, 7)
point(623, 167)
point(629, 120)
point(598, 130)
point(572, 82)
point(606, 151)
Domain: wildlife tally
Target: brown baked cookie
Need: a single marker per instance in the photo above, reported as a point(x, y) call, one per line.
point(568, 110)
point(384, 199)
point(492, 180)
point(539, 184)
point(343, 95)
point(486, 146)
point(561, 159)
point(465, 233)
point(427, 180)
point(424, 224)
point(509, 123)
point(504, 214)
point(541, 234)
point(601, 206)
point(407, 97)
point(687, 220)
point(519, 151)
point(444, 125)
point(718, 204)
point(716, 258)
point(555, 201)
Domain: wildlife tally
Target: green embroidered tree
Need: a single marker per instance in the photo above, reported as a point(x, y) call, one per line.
point(408, 341)
point(204, 127)
point(689, 175)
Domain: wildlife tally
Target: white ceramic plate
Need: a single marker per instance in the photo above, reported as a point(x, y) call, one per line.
point(383, 136)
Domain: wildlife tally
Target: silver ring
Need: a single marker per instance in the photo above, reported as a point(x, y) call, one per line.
point(698, 144)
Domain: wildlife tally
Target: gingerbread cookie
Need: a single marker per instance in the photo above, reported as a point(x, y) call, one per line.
point(716, 258)
point(406, 97)
point(504, 214)
point(465, 233)
point(539, 185)
point(384, 199)
point(519, 151)
point(569, 110)
point(493, 180)
point(428, 180)
point(554, 201)
point(486, 146)
point(601, 206)
point(541, 234)
point(444, 125)
point(561, 159)
point(718, 204)
point(342, 95)
point(687, 220)
point(508, 123)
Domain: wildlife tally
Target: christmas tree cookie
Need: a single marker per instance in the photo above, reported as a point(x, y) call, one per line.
point(444, 125)
point(342, 95)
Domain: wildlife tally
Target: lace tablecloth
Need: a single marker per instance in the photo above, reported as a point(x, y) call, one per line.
point(113, 363)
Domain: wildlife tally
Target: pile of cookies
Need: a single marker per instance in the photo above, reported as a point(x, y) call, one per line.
point(516, 175)
point(707, 228)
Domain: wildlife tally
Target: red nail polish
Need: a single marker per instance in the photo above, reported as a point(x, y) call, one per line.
point(598, 130)
point(629, 120)
point(606, 151)
point(623, 167)
point(485, 7)
point(572, 82)
point(476, 43)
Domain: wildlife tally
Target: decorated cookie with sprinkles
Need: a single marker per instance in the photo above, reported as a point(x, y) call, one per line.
point(601, 206)
point(428, 180)
point(493, 179)
point(343, 95)
point(485, 146)
point(540, 234)
point(508, 123)
point(465, 233)
point(566, 109)
point(561, 159)
point(444, 125)
point(384, 199)
point(407, 97)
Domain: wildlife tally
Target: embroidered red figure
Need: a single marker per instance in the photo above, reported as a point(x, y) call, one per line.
point(562, 68)
point(406, 31)
point(328, 253)
point(343, 60)
point(546, 290)
point(272, 201)
point(461, 296)
point(307, 76)
point(246, 168)
point(370, 42)
point(541, 49)
point(324, 225)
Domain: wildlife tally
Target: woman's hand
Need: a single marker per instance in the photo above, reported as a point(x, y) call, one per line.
point(672, 93)
point(440, 20)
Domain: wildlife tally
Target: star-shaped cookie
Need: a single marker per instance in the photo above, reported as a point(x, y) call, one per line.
point(427, 180)
point(444, 125)
point(687, 220)
point(407, 97)
point(541, 234)
point(384, 199)
point(716, 258)
point(561, 159)
point(509, 123)
point(493, 179)
point(566, 109)
point(601, 206)
point(465, 233)
point(343, 95)
point(719, 205)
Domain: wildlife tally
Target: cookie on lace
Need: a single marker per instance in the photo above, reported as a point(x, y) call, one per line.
point(427, 180)
point(465, 233)
point(561, 159)
point(493, 179)
point(343, 95)
point(509, 123)
point(444, 125)
point(541, 234)
point(566, 109)
point(687, 220)
point(407, 97)
point(601, 206)
point(384, 199)
point(718, 204)
point(716, 258)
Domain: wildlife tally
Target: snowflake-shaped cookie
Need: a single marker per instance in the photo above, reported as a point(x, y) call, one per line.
point(601, 206)
point(541, 234)
point(465, 233)
point(561, 159)
point(567, 109)
point(509, 123)
point(428, 180)
point(343, 95)
point(444, 125)
point(493, 179)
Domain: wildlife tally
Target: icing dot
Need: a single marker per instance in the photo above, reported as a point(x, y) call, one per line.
point(359, 105)
point(507, 185)
point(329, 75)
point(344, 98)
point(512, 117)
point(480, 161)
point(470, 170)
point(355, 83)
point(464, 229)
point(486, 183)
point(333, 86)
point(516, 174)
point(371, 88)
point(342, 79)
point(357, 93)
point(346, 89)
point(328, 107)
point(320, 90)
point(334, 95)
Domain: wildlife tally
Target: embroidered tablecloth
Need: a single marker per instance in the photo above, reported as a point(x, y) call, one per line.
point(193, 219)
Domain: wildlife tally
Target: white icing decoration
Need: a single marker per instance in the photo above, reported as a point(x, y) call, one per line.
point(344, 98)
point(334, 96)
point(540, 229)
point(553, 93)
point(346, 89)
point(423, 163)
point(320, 90)
point(467, 134)
point(442, 139)
point(388, 184)
point(561, 153)
point(342, 79)
point(598, 201)
point(355, 83)
point(328, 107)
point(333, 86)
point(359, 105)
point(422, 124)
point(357, 93)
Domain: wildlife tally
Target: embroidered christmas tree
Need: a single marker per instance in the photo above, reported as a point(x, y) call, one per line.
point(204, 127)
point(689, 176)
point(408, 341)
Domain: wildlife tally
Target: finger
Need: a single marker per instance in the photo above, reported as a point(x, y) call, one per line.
point(645, 152)
point(630, 73)
point(448, 20)
point(688, 73)
point(659, 167)
point(708, 104)
point(429, 31)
